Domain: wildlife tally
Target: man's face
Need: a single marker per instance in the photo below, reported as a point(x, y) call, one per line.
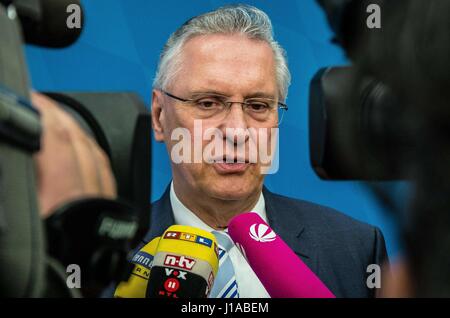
point(232, 66)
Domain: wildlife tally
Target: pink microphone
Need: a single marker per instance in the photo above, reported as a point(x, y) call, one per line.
point(279, 269)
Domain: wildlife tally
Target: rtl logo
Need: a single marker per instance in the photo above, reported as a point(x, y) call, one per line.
point(171, 285)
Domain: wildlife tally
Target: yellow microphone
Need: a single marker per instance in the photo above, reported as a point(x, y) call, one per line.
point(183, 263)
point(136, 286)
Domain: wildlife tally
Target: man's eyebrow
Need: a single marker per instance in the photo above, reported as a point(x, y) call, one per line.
point(221, 94)
point(208, 93)
point(260, 95)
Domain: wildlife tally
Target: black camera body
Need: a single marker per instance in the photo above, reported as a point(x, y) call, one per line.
point(365, 119)
point(95, 234)
point(387, 118)
point(22, 248)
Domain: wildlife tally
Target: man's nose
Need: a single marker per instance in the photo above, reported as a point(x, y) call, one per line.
point(236, 121)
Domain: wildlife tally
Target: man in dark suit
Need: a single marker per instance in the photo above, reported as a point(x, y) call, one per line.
point(334, 246)
point(223, 70)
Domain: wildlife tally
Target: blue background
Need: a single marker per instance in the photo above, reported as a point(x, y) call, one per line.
point(119, 50)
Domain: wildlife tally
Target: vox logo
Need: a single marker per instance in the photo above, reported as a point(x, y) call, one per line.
point(177, 274)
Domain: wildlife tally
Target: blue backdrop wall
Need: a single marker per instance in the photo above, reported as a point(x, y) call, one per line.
point(119, 49)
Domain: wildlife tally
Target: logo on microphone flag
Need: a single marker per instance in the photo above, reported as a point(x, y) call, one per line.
point(260, 233)
point(190, 237)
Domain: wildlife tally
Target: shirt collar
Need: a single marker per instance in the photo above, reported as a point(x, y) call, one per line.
point(184, 216)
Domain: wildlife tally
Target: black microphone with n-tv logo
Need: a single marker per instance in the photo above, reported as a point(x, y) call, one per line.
point(185, 264)
point(177, 280)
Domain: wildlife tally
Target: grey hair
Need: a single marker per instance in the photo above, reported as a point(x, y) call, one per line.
point(236, 19)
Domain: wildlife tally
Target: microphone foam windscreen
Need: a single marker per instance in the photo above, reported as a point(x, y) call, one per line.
point(185, 264)
point(136, 286)
point(279, 269)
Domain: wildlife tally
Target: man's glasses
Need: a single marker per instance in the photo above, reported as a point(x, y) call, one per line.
point(217, 107)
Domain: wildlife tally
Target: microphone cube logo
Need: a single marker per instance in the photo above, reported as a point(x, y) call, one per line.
point(262, 233)
point(172, 235)
point(210, 281)
point(216, 249)
point(189, 237)
point(143, 259)
point(203, 241)
point(179, 261)
point(171, 285)
point(175, 273)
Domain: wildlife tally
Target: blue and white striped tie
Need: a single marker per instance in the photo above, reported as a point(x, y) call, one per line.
point(225, 285)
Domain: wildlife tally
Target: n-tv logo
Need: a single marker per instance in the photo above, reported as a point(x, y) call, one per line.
point(179, 261)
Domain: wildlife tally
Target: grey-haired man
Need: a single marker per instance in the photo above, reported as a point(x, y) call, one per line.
point(225, 70)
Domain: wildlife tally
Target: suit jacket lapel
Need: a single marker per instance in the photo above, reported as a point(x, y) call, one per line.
point(162, 216)
point(291, 227)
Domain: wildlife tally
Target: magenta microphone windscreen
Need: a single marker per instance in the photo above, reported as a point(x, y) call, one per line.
point(279, 269)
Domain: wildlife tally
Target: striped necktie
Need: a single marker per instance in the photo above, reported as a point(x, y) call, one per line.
point(225, 285)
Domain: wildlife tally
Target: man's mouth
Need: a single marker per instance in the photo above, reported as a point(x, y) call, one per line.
point(232, 165)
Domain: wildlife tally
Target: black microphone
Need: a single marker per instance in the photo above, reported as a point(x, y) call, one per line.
point(107, 229)
point(48, 23)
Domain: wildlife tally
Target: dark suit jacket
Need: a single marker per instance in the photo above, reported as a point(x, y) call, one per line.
point(334, 246)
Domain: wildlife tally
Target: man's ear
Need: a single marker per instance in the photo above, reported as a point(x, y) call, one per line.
point(158, 116)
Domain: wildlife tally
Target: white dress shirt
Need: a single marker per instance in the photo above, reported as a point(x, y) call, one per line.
point(249, 285)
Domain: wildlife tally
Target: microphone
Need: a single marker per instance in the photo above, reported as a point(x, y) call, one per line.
point(185, 264)
point(136, 286)
point(279, 269)
point(181, 264)
point(109, 227)
point(47, 22)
